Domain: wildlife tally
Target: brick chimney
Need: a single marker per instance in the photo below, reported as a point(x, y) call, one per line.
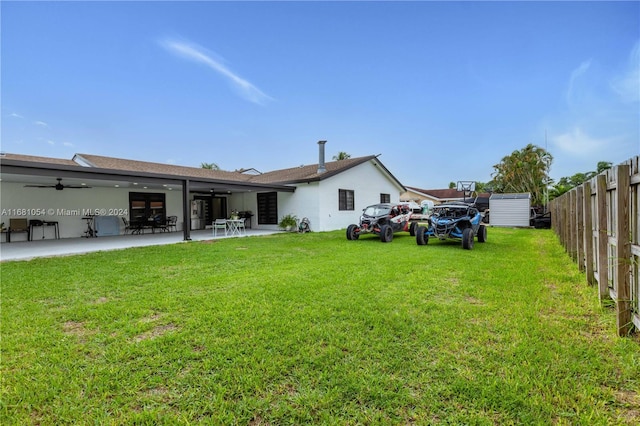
point(321, 166)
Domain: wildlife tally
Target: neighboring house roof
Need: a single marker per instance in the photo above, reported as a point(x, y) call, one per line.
point(441, 194)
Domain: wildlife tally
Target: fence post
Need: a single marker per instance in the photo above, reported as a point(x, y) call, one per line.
point(603, 237)
point(623, 252)
point(573, 248)
point(579, 232)
point(588, 232)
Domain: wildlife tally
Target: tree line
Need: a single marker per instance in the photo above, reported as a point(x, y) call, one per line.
point(527, 170)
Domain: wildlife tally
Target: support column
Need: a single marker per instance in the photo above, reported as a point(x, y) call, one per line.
point(186, 210)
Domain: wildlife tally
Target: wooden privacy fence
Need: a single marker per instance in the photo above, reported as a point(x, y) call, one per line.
point(598, 224)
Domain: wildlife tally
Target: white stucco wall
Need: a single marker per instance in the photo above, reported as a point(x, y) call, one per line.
point(318, 201)
point(68, 206)
point(367, 181)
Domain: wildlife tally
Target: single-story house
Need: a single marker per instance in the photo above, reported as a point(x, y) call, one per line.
point(330, 194)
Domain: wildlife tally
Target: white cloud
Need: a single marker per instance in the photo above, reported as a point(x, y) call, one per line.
point(575, 75)
point(578, 142)
point(201, 55)
point(627, 85)
point(67, 144)
point(40, 123)
point(14, 115)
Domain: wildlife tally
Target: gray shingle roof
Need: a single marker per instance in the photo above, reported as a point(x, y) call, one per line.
point(160, 168)
point(306, 173)
point(36, 159)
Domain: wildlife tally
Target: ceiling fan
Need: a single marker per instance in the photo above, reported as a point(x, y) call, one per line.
point(58, 186)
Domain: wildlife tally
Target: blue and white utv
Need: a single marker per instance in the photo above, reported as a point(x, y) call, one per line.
point(453, 220)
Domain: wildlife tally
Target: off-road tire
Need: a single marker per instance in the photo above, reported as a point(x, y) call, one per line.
point(386, 234)
point(422, 238)
point(351, 232)
point(467, 238)
point(412, 228)
point(482, 234)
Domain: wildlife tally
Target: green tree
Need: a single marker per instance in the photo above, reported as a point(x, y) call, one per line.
point(565, 184)
point(483, 187)
point(210, 166)
point(525, 170)
point(452, 185)
point(342, 156)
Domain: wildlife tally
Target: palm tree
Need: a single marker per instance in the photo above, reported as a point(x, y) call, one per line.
point(342, 156)
point(526, 170)
point(210, 166)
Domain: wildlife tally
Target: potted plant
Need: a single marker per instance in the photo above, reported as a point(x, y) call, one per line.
point(288, 222)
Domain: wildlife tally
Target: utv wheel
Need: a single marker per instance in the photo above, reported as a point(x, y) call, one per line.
point(467, 239)
point(386, 234)
point(482, 234)
point(421, 236)
point(351, 232)
point(412, 228)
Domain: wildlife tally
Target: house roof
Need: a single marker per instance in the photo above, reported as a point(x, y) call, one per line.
point(301, 174)
point(35, 159)
point(305, 173)
point(113, 163)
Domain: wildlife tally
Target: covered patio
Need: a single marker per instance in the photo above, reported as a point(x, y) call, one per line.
point(123, 190)
point(25, 250)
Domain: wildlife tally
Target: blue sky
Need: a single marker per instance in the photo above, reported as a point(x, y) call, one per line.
point(442, 90)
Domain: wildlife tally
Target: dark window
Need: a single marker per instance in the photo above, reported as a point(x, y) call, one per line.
point(268, 208)
point(385, 198)
point(144, 205)
point(345, 199)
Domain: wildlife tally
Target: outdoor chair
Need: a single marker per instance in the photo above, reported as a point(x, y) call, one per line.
point(172, 223)
point(240, 227)
point(219, 224)
point(127, 226)
point(18, 225)
point(159, 222)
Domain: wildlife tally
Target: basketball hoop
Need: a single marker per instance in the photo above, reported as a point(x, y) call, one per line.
point(467, 187)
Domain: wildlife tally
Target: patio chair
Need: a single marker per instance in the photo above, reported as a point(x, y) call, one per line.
point(240, 227)
point(18, 225)
point(219, 224)
point(172, 223)
point(159, 222)
point(127, 226)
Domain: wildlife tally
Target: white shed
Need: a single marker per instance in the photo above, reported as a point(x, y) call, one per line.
point(511, 210)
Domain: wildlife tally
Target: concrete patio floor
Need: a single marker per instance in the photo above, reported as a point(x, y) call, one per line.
point(25, 250)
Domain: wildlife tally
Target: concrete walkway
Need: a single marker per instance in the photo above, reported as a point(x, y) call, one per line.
point(24, 250)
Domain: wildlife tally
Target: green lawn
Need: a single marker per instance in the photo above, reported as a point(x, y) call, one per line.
point(297, 329)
